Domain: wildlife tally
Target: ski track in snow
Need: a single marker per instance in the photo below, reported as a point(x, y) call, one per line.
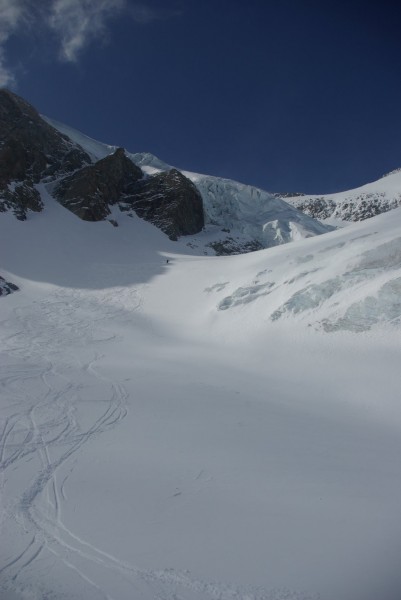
point(46, 426)
point(50, 360)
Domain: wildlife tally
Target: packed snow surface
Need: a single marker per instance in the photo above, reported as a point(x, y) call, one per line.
point(207, 428)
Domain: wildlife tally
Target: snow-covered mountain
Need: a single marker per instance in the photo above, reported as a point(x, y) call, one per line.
point(238, 218)
point(175, 426)
point(262, 216)
point(219, 216)
point(353, 205)
point(90, 178)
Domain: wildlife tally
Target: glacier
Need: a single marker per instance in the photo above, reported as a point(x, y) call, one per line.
point(199, 429)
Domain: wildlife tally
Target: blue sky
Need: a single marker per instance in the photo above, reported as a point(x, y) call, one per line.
point(286, 95)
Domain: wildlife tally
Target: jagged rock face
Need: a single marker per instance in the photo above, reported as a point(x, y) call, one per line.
point(20, 198)
point(288, 194)
point(229, 246)
point(6, 287)
point(31, 148)
point(170, 201)
point(354, 208)
point(30, 151)
point(89, 192)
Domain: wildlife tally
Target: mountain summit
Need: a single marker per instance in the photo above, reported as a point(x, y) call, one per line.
point(90, 179)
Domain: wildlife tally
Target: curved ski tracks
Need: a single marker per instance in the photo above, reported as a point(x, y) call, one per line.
point(42, 423)
point(42, 433)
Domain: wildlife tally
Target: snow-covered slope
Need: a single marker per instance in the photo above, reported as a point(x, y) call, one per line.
point(207, 428)
point(353, 205)
point(238, 217)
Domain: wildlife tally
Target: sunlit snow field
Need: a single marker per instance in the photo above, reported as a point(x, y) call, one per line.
point(203, 429)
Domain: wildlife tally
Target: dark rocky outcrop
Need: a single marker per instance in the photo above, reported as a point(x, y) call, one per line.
point(230, 246)
point(170, 201)
point(6, 287)
point(31, 151)
point(20, 198)
point(288, 194)
point(89, 192)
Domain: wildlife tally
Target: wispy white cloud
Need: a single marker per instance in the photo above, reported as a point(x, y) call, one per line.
point(11, 14)
point(79, 22)
point(74, 23)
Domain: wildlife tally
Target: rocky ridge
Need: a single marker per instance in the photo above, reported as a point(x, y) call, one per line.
point(32, 152)
point(353, 205)
point(90, 191)
point(6, 287)
point(352, 208)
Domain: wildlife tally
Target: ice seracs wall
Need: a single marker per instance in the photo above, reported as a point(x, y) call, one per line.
point(350, 280)
point(249, 213)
